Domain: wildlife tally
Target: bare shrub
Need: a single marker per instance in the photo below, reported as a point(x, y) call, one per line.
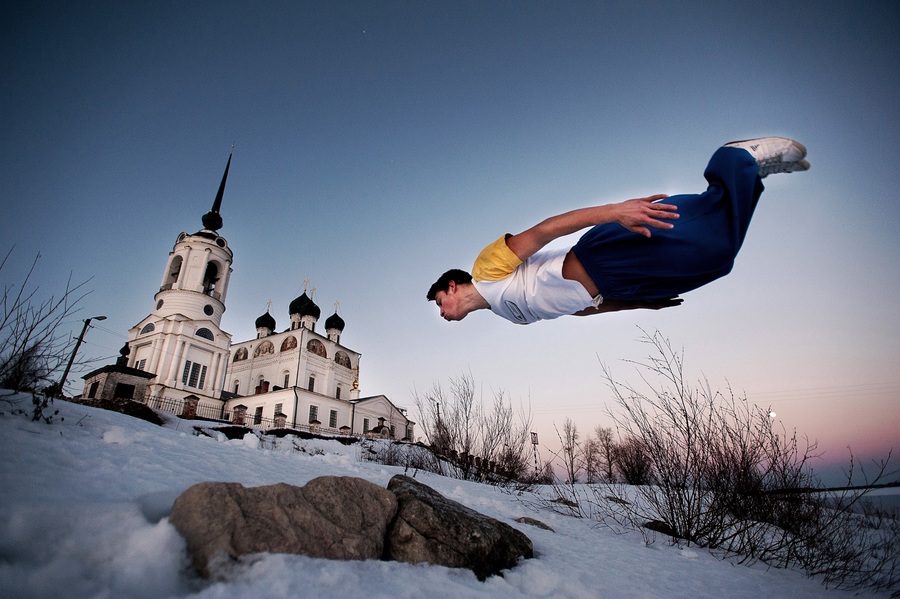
point(632, 461)
point(474, 442)
point(720, 475)
point(33, 345)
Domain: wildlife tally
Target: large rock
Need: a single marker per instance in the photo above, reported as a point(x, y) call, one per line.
point(331, 517)
point(433, 529)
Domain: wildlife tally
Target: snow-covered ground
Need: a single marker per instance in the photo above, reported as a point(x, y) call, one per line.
point(84, 504)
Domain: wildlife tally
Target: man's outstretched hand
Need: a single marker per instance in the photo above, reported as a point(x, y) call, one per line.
point(640, 214)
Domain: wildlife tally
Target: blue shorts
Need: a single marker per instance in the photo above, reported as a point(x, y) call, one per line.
point(700, 248)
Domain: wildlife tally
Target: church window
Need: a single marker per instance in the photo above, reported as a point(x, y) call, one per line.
point(148, 328)
point(316, 347)
point(287, 379)
point(365, 425)
point(278, 408)
point(337, 392)
point(332, 419)
point(206, 334)
point(140, 364)
point(313, 414)
point(124, 391)
point(237, 387)
point(311, 385)
point(263, 348)
point(210, 279)
point(194, 374)
point(257, 416)
point(174, 271)
point(92, 392)
point(208, 310)
point(343, 359)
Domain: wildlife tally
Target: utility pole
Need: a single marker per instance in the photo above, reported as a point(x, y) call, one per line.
point(87, 322)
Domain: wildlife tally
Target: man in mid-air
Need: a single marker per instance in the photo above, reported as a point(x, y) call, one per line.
point(619, 264)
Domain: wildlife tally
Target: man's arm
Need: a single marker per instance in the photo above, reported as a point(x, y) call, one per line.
point(635, 215)
point(616, 305)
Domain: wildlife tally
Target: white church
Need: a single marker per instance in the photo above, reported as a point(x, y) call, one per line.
point(180, 360)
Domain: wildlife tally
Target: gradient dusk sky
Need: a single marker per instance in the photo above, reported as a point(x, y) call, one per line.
point(379, 143)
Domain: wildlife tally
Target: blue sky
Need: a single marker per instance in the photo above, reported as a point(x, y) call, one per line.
point(380, 143)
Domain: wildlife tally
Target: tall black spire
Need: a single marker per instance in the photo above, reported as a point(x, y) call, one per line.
point(212, 220)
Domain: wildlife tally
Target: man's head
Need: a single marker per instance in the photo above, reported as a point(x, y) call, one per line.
point(444, 292)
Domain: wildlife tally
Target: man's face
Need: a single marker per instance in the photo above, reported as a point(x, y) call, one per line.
point(448, 303)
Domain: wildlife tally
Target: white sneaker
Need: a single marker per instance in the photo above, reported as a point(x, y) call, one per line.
point(774, 154)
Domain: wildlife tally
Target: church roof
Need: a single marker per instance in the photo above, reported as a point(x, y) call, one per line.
point(212, 220)
point(304, 306)
point(265, 322)
point(334, 322)
point(298, 303)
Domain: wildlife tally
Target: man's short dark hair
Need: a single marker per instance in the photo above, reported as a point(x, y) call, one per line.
point(456, 275)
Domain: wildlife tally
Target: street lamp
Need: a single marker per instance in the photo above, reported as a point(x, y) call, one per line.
point(87, 322)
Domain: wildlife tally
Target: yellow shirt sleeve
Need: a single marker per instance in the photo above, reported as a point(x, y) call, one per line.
point(495, 262)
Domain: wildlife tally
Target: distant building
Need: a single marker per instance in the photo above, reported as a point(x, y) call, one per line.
point(296, 378)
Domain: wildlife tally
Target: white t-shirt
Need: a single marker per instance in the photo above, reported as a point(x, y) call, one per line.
point(525, 292)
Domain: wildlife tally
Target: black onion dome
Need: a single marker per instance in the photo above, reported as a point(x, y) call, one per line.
point(311, 309)
point(296, 306)
point(334, 322)
point(265, 322)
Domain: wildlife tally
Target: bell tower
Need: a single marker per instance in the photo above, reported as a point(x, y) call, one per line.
point(196, 277)
point(181, 341)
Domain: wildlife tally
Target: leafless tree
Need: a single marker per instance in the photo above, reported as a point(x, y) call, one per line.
point(476, 442)
point(633, 462)
point(606, 447)
point(33, 344)
point(570, 453)
point(590, 460)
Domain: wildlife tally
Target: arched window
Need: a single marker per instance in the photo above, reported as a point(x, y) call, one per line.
point(174, 271)
point(343, 359)
point(264, 348)
point(316, 347)
point(237, 387)
point(206, 334)
point(148, 328)
point(210, 278)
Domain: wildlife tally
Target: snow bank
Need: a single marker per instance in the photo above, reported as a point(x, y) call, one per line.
point(86, 499)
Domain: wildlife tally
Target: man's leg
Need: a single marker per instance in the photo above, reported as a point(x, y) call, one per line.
point(700, 248)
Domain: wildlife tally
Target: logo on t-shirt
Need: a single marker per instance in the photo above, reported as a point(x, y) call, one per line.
point(515, 311)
